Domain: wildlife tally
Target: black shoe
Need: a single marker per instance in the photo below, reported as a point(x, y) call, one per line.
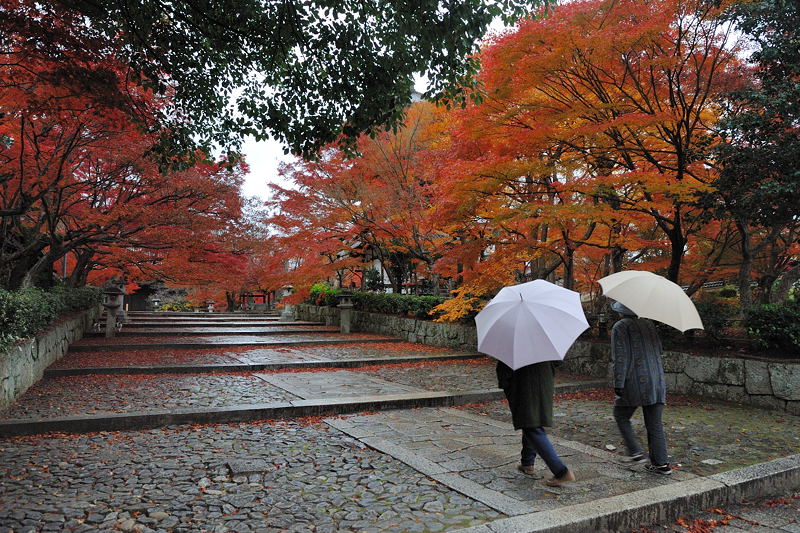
point(637, 459)
point(663, 470)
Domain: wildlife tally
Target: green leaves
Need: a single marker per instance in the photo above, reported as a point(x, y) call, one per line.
point(328, 70)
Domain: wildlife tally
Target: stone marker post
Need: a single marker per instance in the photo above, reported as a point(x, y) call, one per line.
point(113, 296)
point(345, 311)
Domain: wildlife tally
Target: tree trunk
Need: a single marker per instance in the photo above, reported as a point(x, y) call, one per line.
point(745, 293)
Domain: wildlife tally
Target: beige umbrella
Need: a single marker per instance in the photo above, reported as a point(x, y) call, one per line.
point(652, 296)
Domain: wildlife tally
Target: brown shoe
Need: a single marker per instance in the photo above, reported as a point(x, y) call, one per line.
point(558, 481)
point(528, 471)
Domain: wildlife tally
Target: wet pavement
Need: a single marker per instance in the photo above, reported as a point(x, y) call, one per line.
point(703, 436)
point(422, 469)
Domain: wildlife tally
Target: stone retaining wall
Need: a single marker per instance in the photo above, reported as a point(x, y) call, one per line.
point(770, 384)
point(24, 364)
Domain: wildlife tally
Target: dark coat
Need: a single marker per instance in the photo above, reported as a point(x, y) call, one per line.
point(638, 371)
point(529, 391)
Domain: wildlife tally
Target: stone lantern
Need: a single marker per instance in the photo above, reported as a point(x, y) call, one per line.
point(345, 310)
point(156, 302)
point(113, 296)
point(210, 306)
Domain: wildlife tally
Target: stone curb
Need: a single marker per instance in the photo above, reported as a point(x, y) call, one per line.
point(245, 367)
point(662, 504)
point(219, 345)
point(139, 324)
point(243, 413)
point(155, 332)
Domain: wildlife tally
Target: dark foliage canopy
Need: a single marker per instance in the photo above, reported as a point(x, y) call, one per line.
point(306, 72)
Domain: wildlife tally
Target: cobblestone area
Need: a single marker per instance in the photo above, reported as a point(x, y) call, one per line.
point(64, 396)
point(472, 374)
point(254, 477)
point(145, 357)
point(724, 434)
point(778, 515)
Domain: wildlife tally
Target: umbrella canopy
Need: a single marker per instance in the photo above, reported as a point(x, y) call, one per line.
point(530, 323)
point(652, 296)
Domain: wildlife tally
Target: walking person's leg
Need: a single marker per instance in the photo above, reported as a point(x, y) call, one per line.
point(543, 447)
point(622, 415)
point(656, 439)
point(528, 456)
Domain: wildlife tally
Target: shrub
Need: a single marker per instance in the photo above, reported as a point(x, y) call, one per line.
point(25, 312)
point(775, 326)
point(716, 313)
point(401, 304)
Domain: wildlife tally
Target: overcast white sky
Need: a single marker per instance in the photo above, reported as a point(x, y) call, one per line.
point(264, 158)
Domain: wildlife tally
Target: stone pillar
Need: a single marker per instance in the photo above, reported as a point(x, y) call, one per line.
point(287, 315)
point(113, 297)
point(345, 311)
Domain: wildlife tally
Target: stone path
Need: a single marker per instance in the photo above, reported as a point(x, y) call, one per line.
point(449, 466)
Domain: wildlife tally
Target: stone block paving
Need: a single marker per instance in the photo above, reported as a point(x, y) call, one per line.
point(97, 394)
point(266, 477)
point(478, 455)
point(777, 515)
point(221, 341)
point(333, 384)
point(341, 352)
point(704, 436)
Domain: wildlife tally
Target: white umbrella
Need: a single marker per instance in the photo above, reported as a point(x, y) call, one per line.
point(652, 296)
point(530, 323)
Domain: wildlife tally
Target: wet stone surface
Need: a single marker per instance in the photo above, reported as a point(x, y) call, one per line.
point(95, 394)
point(333, 384)
point(341, 352)
point(315, 479)
point(146, 357)
point(471, 374)
point(486, 452)
point(221, 341)
point(697, 429)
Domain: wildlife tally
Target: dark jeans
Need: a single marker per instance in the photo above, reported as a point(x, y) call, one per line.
point(656, 440)
point(535, 442)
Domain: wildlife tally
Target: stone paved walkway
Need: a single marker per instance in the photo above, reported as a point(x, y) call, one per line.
point(424, 469)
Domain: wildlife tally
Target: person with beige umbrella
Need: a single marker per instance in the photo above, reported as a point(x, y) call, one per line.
point(638, 374)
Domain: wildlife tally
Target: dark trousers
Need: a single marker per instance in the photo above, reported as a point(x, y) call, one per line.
point(656, 440)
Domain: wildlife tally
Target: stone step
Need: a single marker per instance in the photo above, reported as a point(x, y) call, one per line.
point(201, 323)
point(249, 367)
point(216, 331)
point(212, 342)
point(300, 408)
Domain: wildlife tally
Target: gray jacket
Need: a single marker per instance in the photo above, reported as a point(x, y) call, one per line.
point(638, 371)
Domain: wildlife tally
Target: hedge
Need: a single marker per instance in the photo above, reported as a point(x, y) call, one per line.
point(400, 304)
point(25, 312)
point(775, 326)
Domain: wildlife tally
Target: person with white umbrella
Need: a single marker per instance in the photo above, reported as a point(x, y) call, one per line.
point(639, 382)
point(528, 328)
point(636, 355)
